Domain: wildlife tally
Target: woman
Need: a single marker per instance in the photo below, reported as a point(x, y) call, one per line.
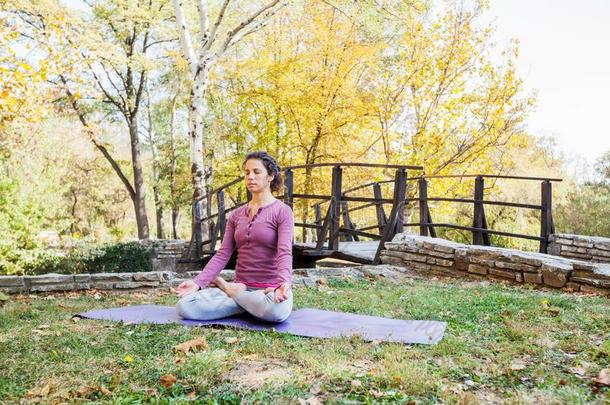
point(262, 231)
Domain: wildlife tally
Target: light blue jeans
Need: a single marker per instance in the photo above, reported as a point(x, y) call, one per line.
point(213, 303)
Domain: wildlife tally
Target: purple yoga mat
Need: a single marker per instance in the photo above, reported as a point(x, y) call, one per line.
point(302, 322)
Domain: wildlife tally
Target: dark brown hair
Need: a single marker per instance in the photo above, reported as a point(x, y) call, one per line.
point(271, 165)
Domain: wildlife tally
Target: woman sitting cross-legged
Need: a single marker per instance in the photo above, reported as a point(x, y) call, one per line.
point(262, 231)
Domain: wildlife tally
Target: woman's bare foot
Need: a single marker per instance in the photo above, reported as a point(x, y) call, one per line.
point(231, 289)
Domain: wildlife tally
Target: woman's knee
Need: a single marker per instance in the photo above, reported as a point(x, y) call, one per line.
point(185, 307)
point(277, 312)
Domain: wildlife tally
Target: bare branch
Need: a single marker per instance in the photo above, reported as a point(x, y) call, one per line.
point(234, 36)
point(208, 44)
point(204, 22)
point(185, 36)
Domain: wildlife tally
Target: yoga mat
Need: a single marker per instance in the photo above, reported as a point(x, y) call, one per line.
point(308, 322)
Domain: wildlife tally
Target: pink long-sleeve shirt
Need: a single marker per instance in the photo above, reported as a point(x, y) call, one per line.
point(264, 247)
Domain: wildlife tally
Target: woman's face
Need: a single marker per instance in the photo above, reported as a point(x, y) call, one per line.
point(257, 178)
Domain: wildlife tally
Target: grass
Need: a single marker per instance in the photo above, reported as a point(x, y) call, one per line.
point(503, 344)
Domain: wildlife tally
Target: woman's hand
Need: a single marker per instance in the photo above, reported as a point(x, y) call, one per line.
point(281, 293)
point(187, 287)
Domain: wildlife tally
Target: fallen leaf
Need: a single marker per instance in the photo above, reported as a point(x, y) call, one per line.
point(191, 395)
point(310, 401)
point(39, 391)
point(578, 371)
point(168, 380)
point(105, 391)
point(603, 378)
point(356, 383)
point(192, 345)
point(231, 340)
point(517, 366)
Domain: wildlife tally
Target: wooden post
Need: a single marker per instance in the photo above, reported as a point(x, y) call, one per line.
point(198, 231)
point(333, 240)
point(423, 211)
point(398, 205)
point(478, 215)
point(402, 194)
point(222, 215)
point(289, 187)
point(318, 222)
point(347, 222)
point(382, 220)
point(546, 215)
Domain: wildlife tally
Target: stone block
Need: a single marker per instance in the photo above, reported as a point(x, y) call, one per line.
point(555, 274)
point(419, 266)
point(475, 268)
point(53, 287)
point(386, 259)
point(12, 281)
point(594, 290)
point(535, 278)
point(461, 261)
point(435, 253)
point(506, 274)
point(443, 262)
point(554, 249)
point(583, 266)
point(518, 277)
point(148, 276)
point(600, 253)
point(111, 277)
point(102, 285)
point(573, 286)
point(164, 264)
point(13, 290)
point(592, 281)
point(82, 278)
point(410, 257)
point(516, 267)
point(135, 284)
point(488, 262)
point(51, 278)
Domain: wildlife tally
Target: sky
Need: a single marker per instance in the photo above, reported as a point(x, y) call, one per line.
point(565, 56)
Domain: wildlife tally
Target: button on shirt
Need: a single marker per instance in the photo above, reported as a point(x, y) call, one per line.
point(264, 247)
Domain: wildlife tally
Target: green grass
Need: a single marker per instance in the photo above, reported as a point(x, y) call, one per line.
point(502, 344)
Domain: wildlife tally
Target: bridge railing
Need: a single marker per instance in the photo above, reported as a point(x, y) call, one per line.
point(328, 228)
point(479, 228)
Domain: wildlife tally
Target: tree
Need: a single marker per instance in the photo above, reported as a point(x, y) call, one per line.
point(201, 58)
point(110, 45)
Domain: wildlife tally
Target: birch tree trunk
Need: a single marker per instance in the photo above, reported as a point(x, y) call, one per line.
point(201, 59)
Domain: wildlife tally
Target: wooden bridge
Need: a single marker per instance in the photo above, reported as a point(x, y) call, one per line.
point(335, 235)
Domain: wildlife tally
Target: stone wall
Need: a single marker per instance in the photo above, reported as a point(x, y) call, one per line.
point(587, 248)
point(168, 279)
point(442, 257)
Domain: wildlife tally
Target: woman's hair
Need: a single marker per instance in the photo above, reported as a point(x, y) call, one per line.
point(271, 165)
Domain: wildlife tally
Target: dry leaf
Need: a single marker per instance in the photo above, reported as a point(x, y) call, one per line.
point(39, 391)
point(603, 378)
point(168, 380)
point(356, 383)
point(231, 340)
point(191, 395)
point(517, 366)
point(192, 345)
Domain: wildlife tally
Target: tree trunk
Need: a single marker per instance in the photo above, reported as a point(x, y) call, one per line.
point(139, 197)
point(172, 172)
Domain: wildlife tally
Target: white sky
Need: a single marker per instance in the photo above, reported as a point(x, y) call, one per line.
point(565, 55)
